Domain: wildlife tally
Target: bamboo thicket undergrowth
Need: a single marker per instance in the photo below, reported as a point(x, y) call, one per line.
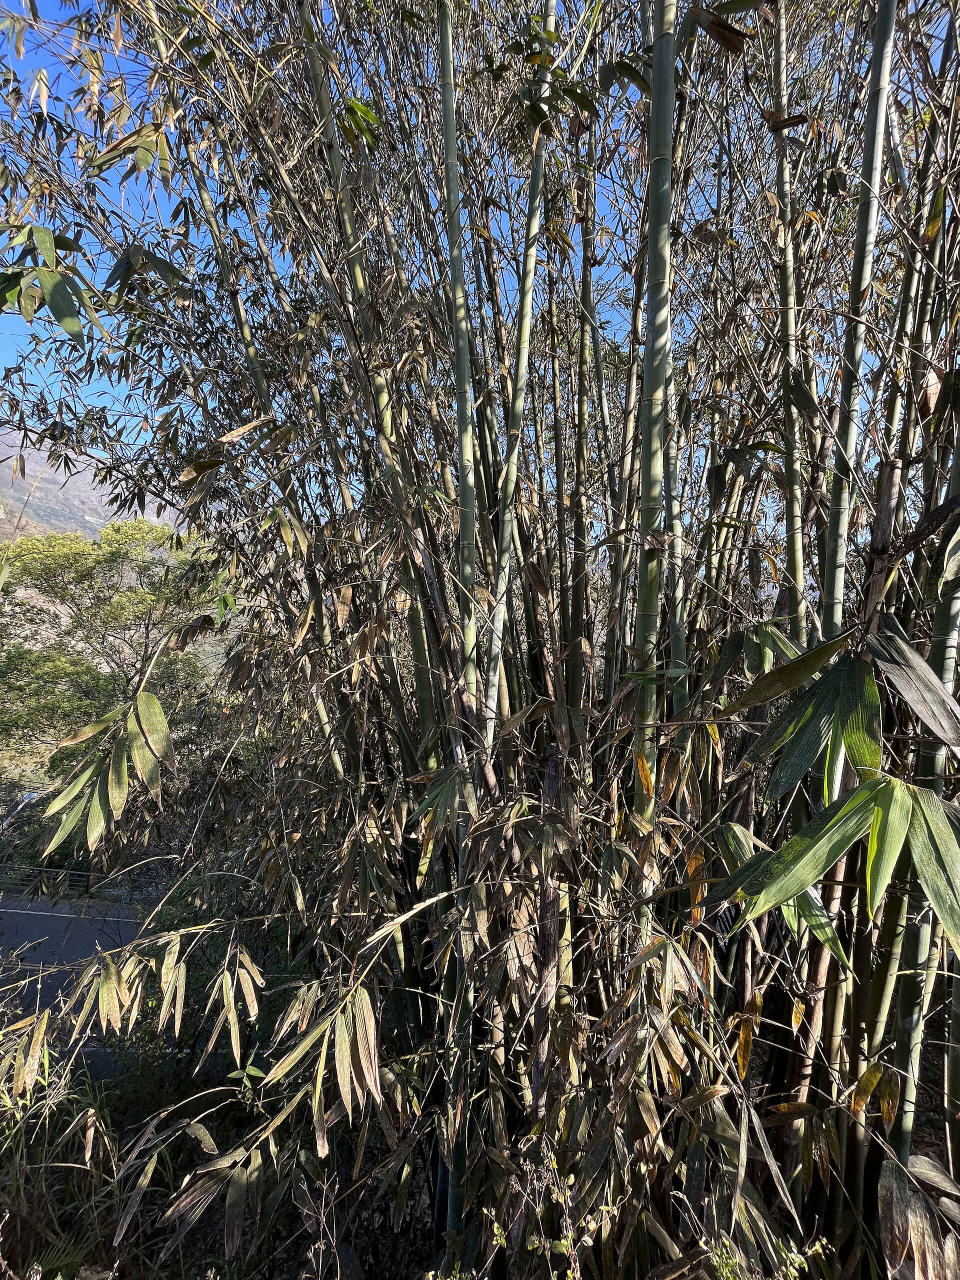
point(563, 401)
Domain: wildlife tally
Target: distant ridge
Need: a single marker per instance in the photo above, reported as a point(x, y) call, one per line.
point(55, 502)
point(11, 527)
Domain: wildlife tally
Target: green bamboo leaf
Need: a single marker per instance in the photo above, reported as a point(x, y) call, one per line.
point(67, 825)
point(807, 905)
point(786, 724)
point(834, 761)
point(786, 678)
point(859, 714)
point(916, 682)
point(891, 820)
point(144, 761)
point(936, 857)
point(62, 304)
point(99, 809)
point(341, 1059)
point(154, 725)
point(89, 730)
point(29, 297)
point(118, 781)
point(76, 786)
point(44, 241)
point(804, 748)
point(811, 908)
point(776, 876)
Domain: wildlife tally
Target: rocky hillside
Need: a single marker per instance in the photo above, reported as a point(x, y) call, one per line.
point(12, 526)
point(53, 501)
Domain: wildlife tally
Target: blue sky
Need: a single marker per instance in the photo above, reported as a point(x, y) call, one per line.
point(13, 330)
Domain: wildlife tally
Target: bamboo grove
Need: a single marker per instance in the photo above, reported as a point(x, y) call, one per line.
point(563, 401)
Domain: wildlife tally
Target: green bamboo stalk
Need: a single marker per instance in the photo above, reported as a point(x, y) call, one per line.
point(918, 943)
point(952, 1069)
point(515, 423)
point(560, 468)
point(656, 365)
point(931, 764)
point(788, 338)
point(579, 582)
point(467, 491)
point(618, 628)
point(871, 174)
point(891, 494)
point(676, 595)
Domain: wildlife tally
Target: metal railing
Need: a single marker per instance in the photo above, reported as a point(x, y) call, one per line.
point(62, 882)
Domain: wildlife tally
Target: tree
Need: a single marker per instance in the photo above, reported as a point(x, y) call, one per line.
point(83, 619)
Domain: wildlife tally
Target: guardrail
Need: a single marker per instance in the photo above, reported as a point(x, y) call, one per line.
point(63, 882)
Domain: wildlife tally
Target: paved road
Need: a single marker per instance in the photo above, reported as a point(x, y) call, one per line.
point(68, 931)
point(39, 934)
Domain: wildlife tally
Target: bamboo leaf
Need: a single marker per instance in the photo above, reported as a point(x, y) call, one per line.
point(249, 992)
point(46, 247)
point(865, 1086)
point(61, 302)
point(32, 1060)
point(935, 217)
point(787, 723)
point(109, 1000)
point(891, 821)
point(341, 1058)
point(804, 748)
point(154, 725)
point(67, 825)
point(89, 730)
point(144, 760)
point(889, 1098)
point(168, 977)
point(180, 997)
point(744, 1047)
point(936, 857)
point(787, 677)
point(230, 1008)
point(76, 786)
point(136, 1195)
point(859, 714)
point(290, 1060)
point(811, 908)
point(99, 810)
point(778, 875)
point(834, 761)
point(118, 781)
point(367, 1042)
point(915, 681)
point(234, 1210)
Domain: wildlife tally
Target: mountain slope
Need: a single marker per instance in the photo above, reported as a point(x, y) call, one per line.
point(65, 504)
